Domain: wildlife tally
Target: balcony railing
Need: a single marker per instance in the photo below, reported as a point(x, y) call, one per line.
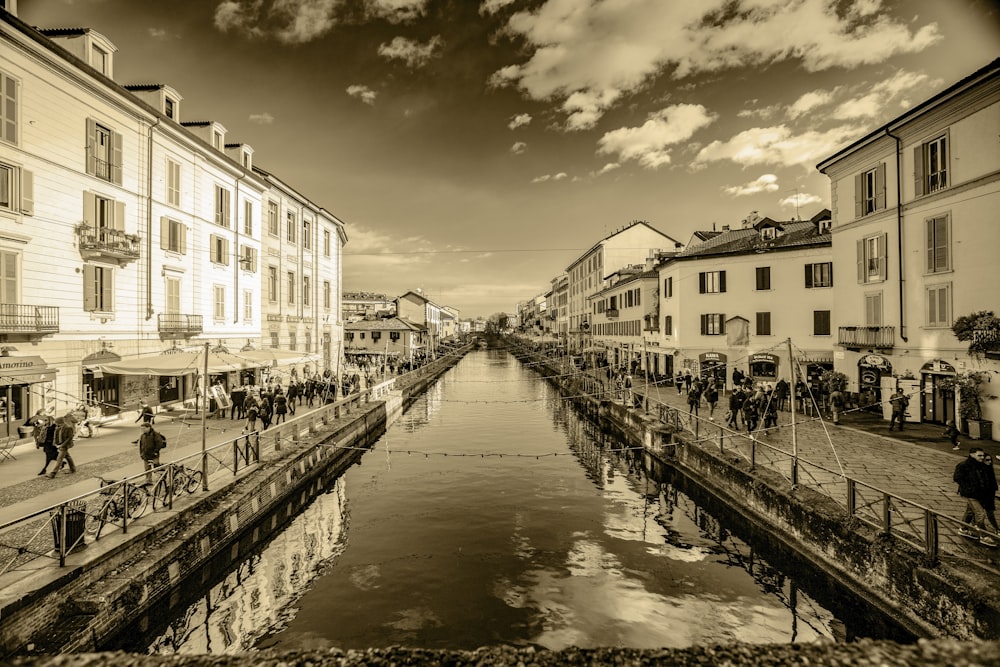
point(176, 323)
point(24, 319)
point(108, 243)
point(883, 338)
point(611, 312)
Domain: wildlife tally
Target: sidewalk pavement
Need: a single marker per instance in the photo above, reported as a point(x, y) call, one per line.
point(110, 454)
point(916, 463)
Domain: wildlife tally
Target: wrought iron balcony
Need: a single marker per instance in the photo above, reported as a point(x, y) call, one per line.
point(177, 324)
point(108, 243)
point(880, 338)
point(16, 318)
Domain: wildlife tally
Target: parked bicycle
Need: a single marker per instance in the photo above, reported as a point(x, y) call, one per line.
point(121, 499)
point(86, 427)
point(184, 479)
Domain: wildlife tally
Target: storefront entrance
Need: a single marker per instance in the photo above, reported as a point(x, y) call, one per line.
point(713, 368)
point(937, 403)
point(764, 367)
point(871, 369)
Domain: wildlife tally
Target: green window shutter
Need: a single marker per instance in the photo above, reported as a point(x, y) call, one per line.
point(701, 283)
point(704, 325)
point(116, 158)
point(809, 276)
point(164, 233)
point(225, 251)
point(918, 171)
point(880, 187)
point(859, 195)
point(119, 221)
point(829, 266)
point(89, 288)
point(183, 234)
point(90, 209)
point(27, 192)
point(861, 260)
point(883, 255)
point(722, 323)
point(108, 290)
point(91, 147)
point(722, 281)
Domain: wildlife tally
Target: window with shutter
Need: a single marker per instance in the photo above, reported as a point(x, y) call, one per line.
point(98, 288)
point(939, 305)
point(930, 165)
point(272, 218)
point(668, 325)
point(8, 109)
point(873, 309)
point(711, 282)
point(222, 206)
point(173, 296)
point(10, 275)
point(763, 277)
point(219, 311)
point(938, 244)
point(821, 322)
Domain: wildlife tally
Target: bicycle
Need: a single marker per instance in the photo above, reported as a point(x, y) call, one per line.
point(120, 497)
point(184, 479)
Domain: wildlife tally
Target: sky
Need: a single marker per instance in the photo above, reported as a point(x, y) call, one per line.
point(475, 148)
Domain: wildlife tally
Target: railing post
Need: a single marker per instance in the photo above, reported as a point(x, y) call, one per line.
point(277, 440)
point(753, 453)
point(125, 495)
point(236, 457)
point(931, 534)
point(886, 515)
point(62, 535)
point(852, 500)
point(722, 439)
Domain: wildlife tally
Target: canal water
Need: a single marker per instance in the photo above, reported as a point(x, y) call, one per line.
point(491, 513)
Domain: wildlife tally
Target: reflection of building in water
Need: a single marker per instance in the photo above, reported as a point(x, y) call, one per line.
point(259, 594)
point(736, 553)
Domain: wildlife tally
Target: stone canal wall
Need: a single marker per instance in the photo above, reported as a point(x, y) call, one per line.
point(928, 598)
point(125, 578)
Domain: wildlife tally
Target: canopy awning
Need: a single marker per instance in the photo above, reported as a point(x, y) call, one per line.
point(25, 370)
point(176, 363)
point(272, 357)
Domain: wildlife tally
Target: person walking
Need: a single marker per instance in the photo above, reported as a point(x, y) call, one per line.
point(837, 405)
point(251, 408)
point(951, 432)
point(150, 443)
point(43, 429)
point(293, 393)
point(735, 406)
point(781, 393)
point(899, 403)
point(679, 382)
point(146, 416)
point(970, 475)
point(711, 397)
point(280, 406)
point(62, 440)
point(694, 400)
point(750, 414)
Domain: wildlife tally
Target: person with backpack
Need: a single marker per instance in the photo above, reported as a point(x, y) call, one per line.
point(899, 403)
point(711, 397)
point(62, 440)
point(44, 431)
point(150, 443)
point(837, 405)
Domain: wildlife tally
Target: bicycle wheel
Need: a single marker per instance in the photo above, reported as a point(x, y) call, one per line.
point(193, 481)
point(160, 494)
point(138, 498)
point(180, 482)
point(95, 522)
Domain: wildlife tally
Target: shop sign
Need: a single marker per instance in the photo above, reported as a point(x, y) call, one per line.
point(24, 370)
point(764, 357)
point(712, 357)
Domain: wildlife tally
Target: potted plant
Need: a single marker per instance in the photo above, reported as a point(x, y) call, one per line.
point(970, 392)
point(981, 330)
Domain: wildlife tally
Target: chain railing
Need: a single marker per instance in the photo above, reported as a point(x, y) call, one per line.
point(921, 527)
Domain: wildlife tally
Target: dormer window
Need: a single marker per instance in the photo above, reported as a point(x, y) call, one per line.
point(169, 108)
point(217, 140)
point(768, 233)
point(99, 59)
point(825, 226)
point(246, 159)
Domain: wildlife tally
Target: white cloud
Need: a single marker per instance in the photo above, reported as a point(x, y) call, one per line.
point(363, 93)
point(261, 118)
point(763, 183)
point(288, 21)
point(518, 147)
point(777, 145)
point(762, 113)
point(878, 97)
point(493, 6)
point(550, 177)
point(867, 106)
point(595, 52)
point(809, 101)
point(157, 33)
point(648, 144)
point(413, 53)
point(397, 11)
point(609, 167)
point(519, 120)
point(798, 200)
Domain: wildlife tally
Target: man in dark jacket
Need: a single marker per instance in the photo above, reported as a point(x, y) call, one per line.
point(971, 475)
point(150, 444)
point(63, 441)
